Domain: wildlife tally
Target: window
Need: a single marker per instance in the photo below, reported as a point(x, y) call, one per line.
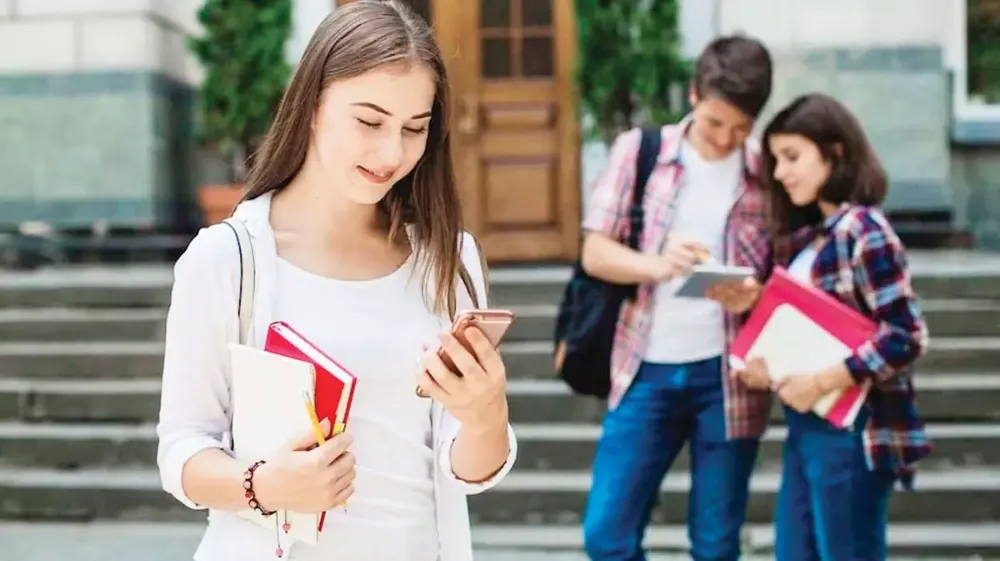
point(977, 60)
point(982, 57)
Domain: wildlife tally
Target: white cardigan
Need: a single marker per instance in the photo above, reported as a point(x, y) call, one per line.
point(195, 395)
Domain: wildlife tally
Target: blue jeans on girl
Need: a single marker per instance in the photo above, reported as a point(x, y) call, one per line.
point(831, 507)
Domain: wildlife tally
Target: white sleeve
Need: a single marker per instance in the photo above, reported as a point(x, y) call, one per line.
point(201, 321)
point(449, 432)
point(450, 426)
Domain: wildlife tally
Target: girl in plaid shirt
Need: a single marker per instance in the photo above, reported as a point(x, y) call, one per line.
point(824, 182)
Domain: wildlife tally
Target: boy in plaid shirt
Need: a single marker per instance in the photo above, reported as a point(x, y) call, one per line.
point(669, 384)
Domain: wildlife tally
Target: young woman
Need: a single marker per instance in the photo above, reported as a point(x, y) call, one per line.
point(357, 237)
point(824, 183)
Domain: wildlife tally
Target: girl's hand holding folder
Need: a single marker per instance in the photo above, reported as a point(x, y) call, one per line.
point(307, 477)
point(800, 392)
point(755, 376)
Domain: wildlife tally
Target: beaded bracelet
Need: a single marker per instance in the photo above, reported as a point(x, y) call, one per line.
point(249, 493)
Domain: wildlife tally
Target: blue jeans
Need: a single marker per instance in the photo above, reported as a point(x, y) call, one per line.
point(831, 507)
point(666, 406)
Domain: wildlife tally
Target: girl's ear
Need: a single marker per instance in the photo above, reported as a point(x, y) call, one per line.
point(692, 94)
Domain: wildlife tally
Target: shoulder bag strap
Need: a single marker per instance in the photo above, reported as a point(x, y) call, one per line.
point(463, 273)
point(247, 275)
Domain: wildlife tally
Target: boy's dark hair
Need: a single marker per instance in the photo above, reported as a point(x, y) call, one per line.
point(856, 174)
point(737, 69)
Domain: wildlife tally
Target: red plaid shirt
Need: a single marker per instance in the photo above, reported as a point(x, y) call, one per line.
point(863, 263)
point(746, 410)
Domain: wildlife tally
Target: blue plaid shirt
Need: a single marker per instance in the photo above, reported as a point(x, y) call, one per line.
point(863, 263)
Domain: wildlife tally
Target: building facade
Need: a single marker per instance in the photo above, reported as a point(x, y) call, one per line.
point(904, 67)
point(97, 97)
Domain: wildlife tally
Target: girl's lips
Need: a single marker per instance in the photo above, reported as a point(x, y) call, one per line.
point(375, 177)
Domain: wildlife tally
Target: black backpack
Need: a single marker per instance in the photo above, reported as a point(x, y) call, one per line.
point(588, 313)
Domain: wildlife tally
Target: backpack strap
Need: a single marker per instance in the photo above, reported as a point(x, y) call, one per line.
point(649, 151)
point(247, 275)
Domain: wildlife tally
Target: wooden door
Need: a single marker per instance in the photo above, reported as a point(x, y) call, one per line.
point(516, 128)
point(515, 125)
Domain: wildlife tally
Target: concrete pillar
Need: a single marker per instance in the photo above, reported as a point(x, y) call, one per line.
point(96, 100)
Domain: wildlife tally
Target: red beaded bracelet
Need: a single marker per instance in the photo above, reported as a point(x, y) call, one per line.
point(249, 493)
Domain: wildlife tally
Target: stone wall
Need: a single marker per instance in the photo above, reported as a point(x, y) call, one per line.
point(892, 71)
point(888, 61)
point(96, 109)
point(901, 96)
point(975, 177)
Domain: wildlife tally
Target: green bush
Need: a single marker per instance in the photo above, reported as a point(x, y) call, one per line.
point(630, 65)
point(983, 25)
point(242, 52)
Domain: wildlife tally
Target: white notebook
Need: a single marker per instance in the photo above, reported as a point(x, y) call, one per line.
point(268, 411)
point(793, 344)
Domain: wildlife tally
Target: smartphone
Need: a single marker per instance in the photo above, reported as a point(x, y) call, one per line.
point(494, 323)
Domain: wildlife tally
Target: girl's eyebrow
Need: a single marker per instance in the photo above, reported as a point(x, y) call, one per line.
point(374, 107)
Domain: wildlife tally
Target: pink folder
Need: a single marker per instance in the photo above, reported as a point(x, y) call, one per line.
point(799, 329)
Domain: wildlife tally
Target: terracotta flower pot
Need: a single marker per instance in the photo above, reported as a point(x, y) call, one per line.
point(218, 201)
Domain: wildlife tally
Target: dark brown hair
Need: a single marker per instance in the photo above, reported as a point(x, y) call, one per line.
point(354, 39)
point(856, 175)
point(736, 69)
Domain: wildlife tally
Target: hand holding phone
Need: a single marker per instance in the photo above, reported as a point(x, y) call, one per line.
point(493, 323)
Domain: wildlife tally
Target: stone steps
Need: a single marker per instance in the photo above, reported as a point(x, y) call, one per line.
point(960, 495)
point(956, 397)
point(904, 540)
point(936, 275)
point(559, 447)
point(82, 324)
point(176, 541)
point(81, 357)
point(525, 359)
point(946, 318)
point(947, 397)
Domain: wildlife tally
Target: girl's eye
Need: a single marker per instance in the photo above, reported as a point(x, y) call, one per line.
point(421, 130)
point(369, 125)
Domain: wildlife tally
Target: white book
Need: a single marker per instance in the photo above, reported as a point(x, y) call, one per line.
point(793, 344)
point(268, 411)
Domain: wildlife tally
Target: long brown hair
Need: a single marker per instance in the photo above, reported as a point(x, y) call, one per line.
point(856, 175)
point(352, 40)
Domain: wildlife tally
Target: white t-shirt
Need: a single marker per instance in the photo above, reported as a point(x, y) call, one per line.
point(801, 267)
point(391, 515)
point(691, 329)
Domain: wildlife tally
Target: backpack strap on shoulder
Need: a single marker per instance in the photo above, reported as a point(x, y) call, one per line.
point(247, 275)
point(645, 163)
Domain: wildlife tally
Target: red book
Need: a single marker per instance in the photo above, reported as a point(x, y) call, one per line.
point(799, 329)
point(335, 385)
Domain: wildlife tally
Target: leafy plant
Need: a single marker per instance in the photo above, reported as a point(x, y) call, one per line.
point(242, 52)
point(983, 28)
point(630, 65)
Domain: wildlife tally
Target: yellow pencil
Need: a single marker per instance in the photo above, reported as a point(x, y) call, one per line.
point(314, 419)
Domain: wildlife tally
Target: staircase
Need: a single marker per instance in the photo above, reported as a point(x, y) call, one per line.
point(81, 354)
